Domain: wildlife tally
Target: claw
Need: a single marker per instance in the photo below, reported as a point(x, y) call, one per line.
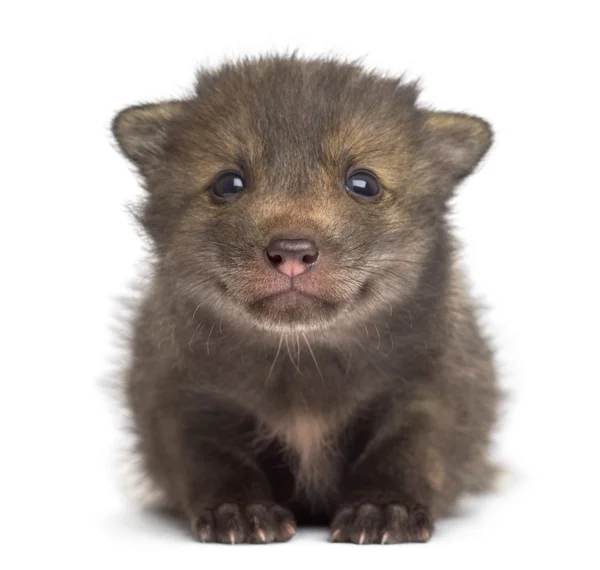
point(261, 534)
point(424, 535)
point(289, 529)
point(231, 535)
point(385, 537)
point(335, 534)
point(361, 540)
point(204, 535)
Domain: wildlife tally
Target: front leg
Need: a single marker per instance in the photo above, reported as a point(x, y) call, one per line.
point(227, 498)
point(388, 493)
point(206, 458)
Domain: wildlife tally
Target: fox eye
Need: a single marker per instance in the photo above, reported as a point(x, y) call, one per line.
point(363, 184)
point(227, 185)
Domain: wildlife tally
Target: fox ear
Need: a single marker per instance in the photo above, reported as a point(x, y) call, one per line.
point(142, 131)
point(456, 142)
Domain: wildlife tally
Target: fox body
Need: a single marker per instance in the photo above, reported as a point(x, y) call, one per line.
point(306, 349)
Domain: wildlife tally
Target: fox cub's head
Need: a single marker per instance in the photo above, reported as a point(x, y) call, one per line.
point(296, 194)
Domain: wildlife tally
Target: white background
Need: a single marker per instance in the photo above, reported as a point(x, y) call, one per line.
point(529, 218)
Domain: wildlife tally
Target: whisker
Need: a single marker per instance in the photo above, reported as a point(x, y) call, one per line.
point(194, 336)
point(314, 359)
point(208, 339)
point(298, 354)
point(366, 329)
point(378, 336)
point(296, 364)
point(196, 310)
point(287, 346)
point(391, 341)
point(399, 260)
point(275, 359)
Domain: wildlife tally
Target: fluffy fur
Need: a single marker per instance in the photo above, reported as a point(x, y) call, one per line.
point(360, 393)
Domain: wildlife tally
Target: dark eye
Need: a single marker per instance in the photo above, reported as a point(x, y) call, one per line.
point(228, 184)
point(363, 183)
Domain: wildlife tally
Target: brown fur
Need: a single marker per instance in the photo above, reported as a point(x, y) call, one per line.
point(368, 399)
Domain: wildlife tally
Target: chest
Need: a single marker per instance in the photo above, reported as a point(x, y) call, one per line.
point(310, 443)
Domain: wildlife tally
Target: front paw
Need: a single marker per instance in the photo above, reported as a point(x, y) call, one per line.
point(234, 524)
point(367, 523)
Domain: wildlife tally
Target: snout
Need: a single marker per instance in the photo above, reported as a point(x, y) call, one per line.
point(292, 256)
point(296, 279)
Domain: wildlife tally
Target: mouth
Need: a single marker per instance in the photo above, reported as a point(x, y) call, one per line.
point(291, 295)
point(291, 299)
point(292, 309)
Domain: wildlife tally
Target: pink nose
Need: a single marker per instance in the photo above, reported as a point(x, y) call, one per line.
point(292, 256)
